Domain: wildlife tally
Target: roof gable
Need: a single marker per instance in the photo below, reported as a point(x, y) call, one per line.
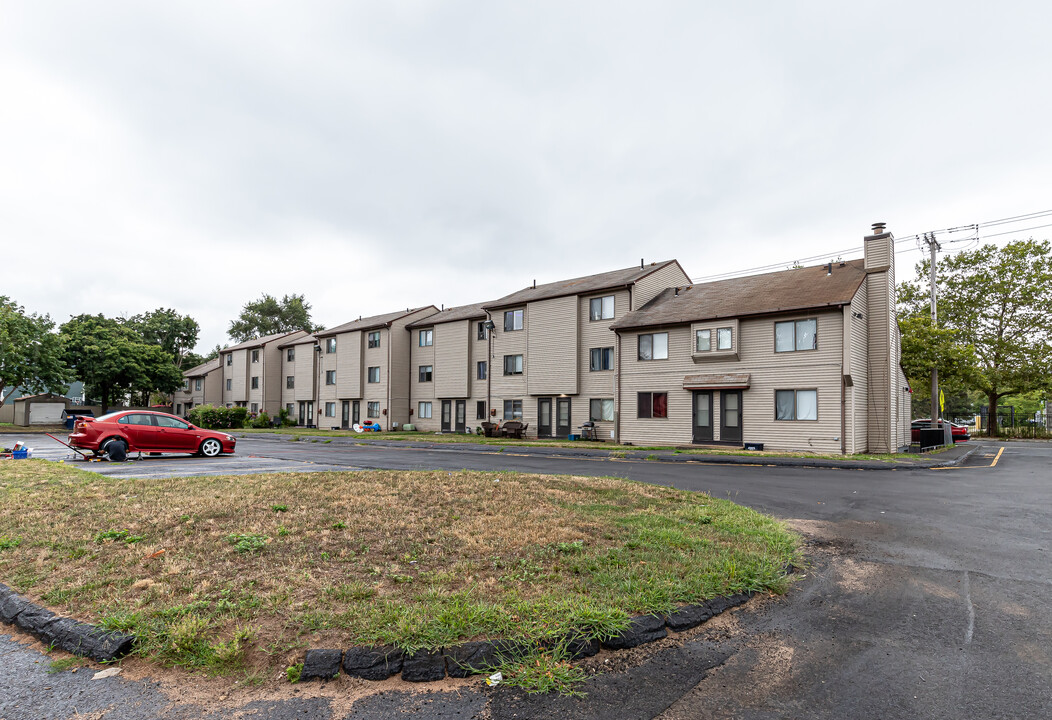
point(371, 323)
point(588, 284)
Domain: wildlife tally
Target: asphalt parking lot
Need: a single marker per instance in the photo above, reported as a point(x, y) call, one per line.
point(928, 595)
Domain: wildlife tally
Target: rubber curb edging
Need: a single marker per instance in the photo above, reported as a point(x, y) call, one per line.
point(459, 661)
point(65, 633)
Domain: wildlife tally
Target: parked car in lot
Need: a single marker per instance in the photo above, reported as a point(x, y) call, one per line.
point(119, 433)
point(958, 432)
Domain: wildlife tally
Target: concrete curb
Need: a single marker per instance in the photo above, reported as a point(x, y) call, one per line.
point(921, 462)
point(64, 633)
point(380, 663)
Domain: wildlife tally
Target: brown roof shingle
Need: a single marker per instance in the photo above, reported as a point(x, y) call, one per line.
point(202, 369)
point(370, 323)
point(256, 342)
point(579, 286)
point(461, 312)
point(783, 291)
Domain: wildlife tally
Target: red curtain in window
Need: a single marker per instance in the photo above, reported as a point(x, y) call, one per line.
point(660, 405)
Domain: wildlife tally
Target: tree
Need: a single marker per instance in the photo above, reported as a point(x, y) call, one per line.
point(175, 333)
point(270, 316)
point(997, 301)
point(113, 359)
point(30, 352)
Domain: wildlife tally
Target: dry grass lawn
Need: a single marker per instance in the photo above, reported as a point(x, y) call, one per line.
point(241, 573)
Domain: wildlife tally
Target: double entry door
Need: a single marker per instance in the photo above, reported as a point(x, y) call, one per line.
point(563, 414)
point(454, 416)
point(730, 416)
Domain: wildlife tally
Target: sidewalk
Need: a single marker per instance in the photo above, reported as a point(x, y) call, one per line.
point(948, 458)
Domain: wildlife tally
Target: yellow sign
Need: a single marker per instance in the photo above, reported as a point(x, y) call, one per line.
point(942, 401)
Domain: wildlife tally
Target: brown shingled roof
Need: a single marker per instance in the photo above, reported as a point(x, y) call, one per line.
point(298, 341)
point(787, 290)
point(256, 342)
point(461, 312)
point(371, 323)
point(202, 369)
point(579, 286)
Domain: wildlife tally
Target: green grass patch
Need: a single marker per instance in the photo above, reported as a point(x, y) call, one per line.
point(218, 581)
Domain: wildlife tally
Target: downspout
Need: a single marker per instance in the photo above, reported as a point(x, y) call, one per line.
point(843, 413)
point(409, 387)
point(489, 366)
point(617, 388)
point(390, 410)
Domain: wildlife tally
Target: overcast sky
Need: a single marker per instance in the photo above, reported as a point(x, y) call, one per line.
point(379, 155)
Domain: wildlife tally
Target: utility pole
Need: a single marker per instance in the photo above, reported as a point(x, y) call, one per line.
point(933, 247)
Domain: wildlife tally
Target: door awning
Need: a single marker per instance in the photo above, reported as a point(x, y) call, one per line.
point(716, 381)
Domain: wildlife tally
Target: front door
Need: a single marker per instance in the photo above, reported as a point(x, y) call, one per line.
point(461, 416)
point(731, 416)
point(345, 414)
point(702, 416)
point(544, 417)
point(356, 412)
point(310, 413)
point(562, 417)
point(303, 413)
point(447, 411)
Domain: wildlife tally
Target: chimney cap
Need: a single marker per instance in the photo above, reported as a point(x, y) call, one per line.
point(878, 228)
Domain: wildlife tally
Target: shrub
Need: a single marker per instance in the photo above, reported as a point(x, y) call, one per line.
point(286, 417)
point(260, 421)
point(217, 418)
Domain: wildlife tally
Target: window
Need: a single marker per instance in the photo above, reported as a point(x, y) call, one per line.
point(374, 339)
point(480, 409)
point(601, 308)
point(374, 376)
point(427, 338)
point(229, 384)
point(330, 345)
point(480, 370)
point(230, 359)
point(703, 341)
point(795, 404)
point(255, 408)
point(513, 364)
point(483, 331)
point(255, 382)
point(255, 356)
point(290, 354)
point(423, 410)
point(795, 335)
point(290, 408)
point(512, 320)
point(724, 339)
point(602, 359)
point(330, 377)
point(168, 422)
point(197, 384)
point(186, 384)
point(330, 409)
point(372, 409)
point(652, 405)
point(425, 373)
point(290, 382)
point(653, 346)
point(513, 409)
point(600, 410)
point(136, 419)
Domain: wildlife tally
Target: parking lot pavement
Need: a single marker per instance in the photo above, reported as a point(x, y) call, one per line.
point(240, 463)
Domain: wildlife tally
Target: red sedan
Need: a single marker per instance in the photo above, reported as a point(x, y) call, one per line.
point(119, 433)
point(959, 433)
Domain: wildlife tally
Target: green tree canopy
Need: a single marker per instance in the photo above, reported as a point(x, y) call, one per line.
point(175, 333)
point(994, 305)
point(114, 360)
point(270, 316)
point(30, 352)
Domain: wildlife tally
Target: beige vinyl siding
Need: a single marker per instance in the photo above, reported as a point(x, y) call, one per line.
point(479, 388)
point(600, 384)
point(271, 380)
point(552, 347)
point(304, 374)
point(858, 368)
point(237, 373)
point(348, 366)
point(452, 360)
point(508, 343)
point(880, 401)
point(288, 368)
point(422, 391)
point(818, 369)
point(399, 341)
point(647, 288)
point(376, 392)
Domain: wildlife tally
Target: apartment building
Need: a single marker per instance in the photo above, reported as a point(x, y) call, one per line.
point(299, 385)
point(251, 373)
point(449, 369)
point(202, 385)
point(806, 358)
point(553, 356)
point(363, 370)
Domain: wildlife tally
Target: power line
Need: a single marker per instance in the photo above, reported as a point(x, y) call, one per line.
point(974, 227)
